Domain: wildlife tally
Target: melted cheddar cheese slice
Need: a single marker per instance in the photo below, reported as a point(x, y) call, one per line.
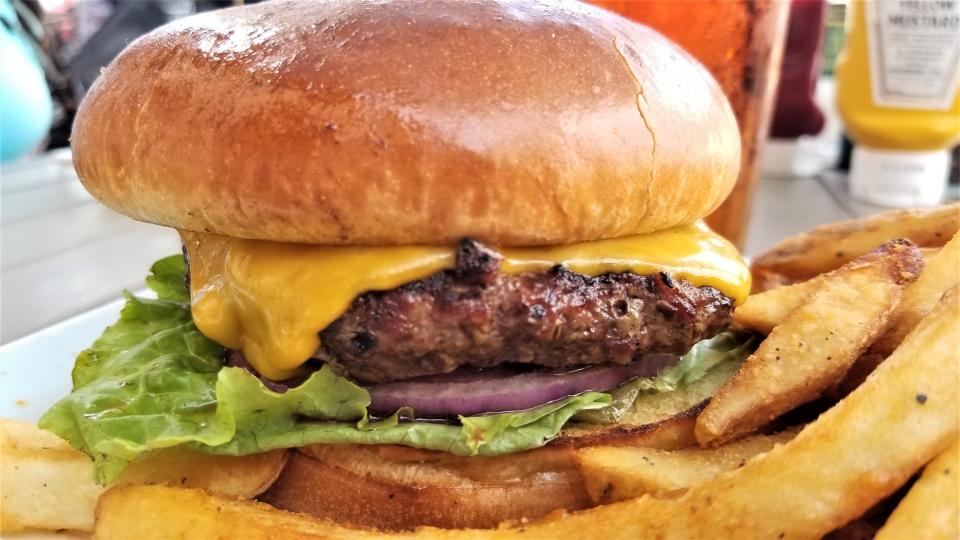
point(272, 299)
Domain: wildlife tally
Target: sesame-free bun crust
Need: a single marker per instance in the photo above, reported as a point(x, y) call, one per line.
point(398, 488)
point(413, 122)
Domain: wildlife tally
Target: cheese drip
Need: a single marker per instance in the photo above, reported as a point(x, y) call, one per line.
point(272, 299)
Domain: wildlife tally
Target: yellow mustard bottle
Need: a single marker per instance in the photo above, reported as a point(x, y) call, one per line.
point(897, 93)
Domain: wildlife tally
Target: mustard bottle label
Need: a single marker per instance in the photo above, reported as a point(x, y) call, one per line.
point(914, 52)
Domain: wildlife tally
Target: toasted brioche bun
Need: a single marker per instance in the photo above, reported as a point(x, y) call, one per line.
point(422, 122)
point(399, 488)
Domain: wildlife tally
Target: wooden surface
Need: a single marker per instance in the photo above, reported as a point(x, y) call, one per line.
point(62, 253)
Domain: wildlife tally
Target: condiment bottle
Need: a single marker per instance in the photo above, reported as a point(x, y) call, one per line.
point(897, 84)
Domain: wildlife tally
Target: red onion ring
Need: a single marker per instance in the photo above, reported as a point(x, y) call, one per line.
point(498, 390)
point(467, 392)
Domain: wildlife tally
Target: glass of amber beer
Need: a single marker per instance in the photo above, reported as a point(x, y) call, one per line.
point(741, 43)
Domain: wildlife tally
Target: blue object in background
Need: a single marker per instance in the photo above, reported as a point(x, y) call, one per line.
point(25, 106)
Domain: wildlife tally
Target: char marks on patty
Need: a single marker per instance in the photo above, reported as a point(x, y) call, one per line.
point(474, 315)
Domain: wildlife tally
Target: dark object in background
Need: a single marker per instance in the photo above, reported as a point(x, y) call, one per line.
point(795, 112)
point(953, 185)
point(70, 74)
point(846, 153)
point(129, 21)
point(31, 29)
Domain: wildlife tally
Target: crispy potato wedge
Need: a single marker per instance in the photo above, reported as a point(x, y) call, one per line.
point(764, 311)
point(864, 365)
point(940, 273)
point(616, 473)
point(837, 467)
point(169, 513)
point(814, 346)
point(46, 484)
point(931, 509)
point(858, 529)
point(830, 246)
point(765, 280)
point(931, 252)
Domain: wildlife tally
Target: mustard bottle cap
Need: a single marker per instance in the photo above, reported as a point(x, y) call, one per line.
point(899, 178)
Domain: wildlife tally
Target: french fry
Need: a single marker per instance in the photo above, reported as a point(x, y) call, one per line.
point(167, 513)
point(44, 482)
point(763, 311)
point(837, 467)
point(814, 346)
point(49, 485)
point(930, 252)
point(616, 473)
point(765, 280)
point(858, 529)
point(830, 246)
point(931, 509)
point(940, 273)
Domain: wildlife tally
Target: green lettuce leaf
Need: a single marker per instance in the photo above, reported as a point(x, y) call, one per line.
point(167, 279)
point(319, 411)
point(152, 380)
point(148, 382)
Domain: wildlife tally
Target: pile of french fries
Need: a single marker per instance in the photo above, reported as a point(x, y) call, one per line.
point(45, 484)
point(862, 325)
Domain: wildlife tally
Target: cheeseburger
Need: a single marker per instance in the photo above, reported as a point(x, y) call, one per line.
point(429, 246)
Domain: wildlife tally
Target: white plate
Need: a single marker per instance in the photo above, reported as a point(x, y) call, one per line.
point(35, 374)
point(35, 370)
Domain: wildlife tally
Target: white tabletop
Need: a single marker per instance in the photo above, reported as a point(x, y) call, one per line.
point(62, 253)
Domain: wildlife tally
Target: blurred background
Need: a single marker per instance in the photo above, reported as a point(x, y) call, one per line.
point(846, 108)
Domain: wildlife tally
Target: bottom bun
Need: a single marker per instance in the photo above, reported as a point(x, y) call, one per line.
point(399, 488)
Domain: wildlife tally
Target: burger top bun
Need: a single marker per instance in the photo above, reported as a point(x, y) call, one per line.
point(364, 122)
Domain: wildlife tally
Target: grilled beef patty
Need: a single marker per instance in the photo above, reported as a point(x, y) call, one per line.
point(474, 315)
